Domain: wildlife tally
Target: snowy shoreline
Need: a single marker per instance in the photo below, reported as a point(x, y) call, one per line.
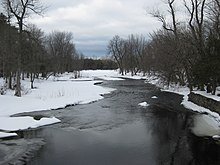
point(55, 93)
point(208, 124)
point(59, 92)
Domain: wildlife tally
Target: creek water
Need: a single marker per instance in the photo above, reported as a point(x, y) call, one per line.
point(117, 131)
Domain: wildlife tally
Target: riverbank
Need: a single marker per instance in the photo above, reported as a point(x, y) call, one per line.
point(63, 90)
point(117, 125)
point(211, 118)
point(54, 93)
point(47, 91)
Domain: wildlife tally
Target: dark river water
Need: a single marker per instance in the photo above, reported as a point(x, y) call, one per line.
point(117, 131)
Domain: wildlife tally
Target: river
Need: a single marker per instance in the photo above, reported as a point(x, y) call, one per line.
point(117, 131)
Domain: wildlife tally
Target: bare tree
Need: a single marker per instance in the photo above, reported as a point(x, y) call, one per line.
point(134, 53)
point(171, 49)
point(62, 51)
point(21, 9)
point(212, 51)
point(116, 48)
point(35, 52)
point(196, 10)
point(162, 17)
point(8, 50)
point(196, 22)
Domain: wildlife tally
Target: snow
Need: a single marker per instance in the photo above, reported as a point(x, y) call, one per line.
point(109, 75)
point(153, 79)
point(209, 95)
point(22, 123)
point(154, 97)
point(54, 93)
point(60, 91)
point(197, 108)
point(143, 104)
point(205, 125)
point(3, 134)
point(217, 137)
point(101, 74)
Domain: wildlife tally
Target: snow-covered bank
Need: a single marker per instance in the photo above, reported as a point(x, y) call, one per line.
point(109, 75)
point(4, 134)
point(101, 74)
point(209, 95)
point(22, 123)
point(204, 125)
point(57, 92)
point(63, 90)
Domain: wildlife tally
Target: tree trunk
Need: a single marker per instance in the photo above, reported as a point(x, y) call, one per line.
point(32, 84)
point(18, 73)
point(32, 80)
point(10, 82)
point(18, 83)
point(214, 86)
point(23, 75)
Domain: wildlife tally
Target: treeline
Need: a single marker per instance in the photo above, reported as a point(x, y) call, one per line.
point(183, 52)
point(32, 54)
point(102, 64)
point(41, 55)
point(27, 52)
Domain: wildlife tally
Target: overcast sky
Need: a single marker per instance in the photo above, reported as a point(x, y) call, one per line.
point(94, 22)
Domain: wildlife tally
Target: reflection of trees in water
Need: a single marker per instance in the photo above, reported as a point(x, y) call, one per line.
point(29, 133)
point(205, 151)
point(176, 144)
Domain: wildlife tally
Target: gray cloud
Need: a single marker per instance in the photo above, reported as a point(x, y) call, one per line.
point(95, 22)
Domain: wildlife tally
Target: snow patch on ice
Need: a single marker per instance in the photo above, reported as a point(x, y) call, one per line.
point(143, 104)
point(216, 137)
point(205, 125)
point(22, 123)
point(4, 134)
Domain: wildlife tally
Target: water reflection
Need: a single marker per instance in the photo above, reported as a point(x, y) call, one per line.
point(171, 132)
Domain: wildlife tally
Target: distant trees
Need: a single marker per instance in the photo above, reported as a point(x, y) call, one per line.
point(183, 52)
point(61, 50)
point(116, 48)
point(33, 54)
point(8, 50)
point(89, 63)
point(127, 53)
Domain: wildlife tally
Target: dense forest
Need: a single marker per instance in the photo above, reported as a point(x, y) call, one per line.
point(185, 51)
